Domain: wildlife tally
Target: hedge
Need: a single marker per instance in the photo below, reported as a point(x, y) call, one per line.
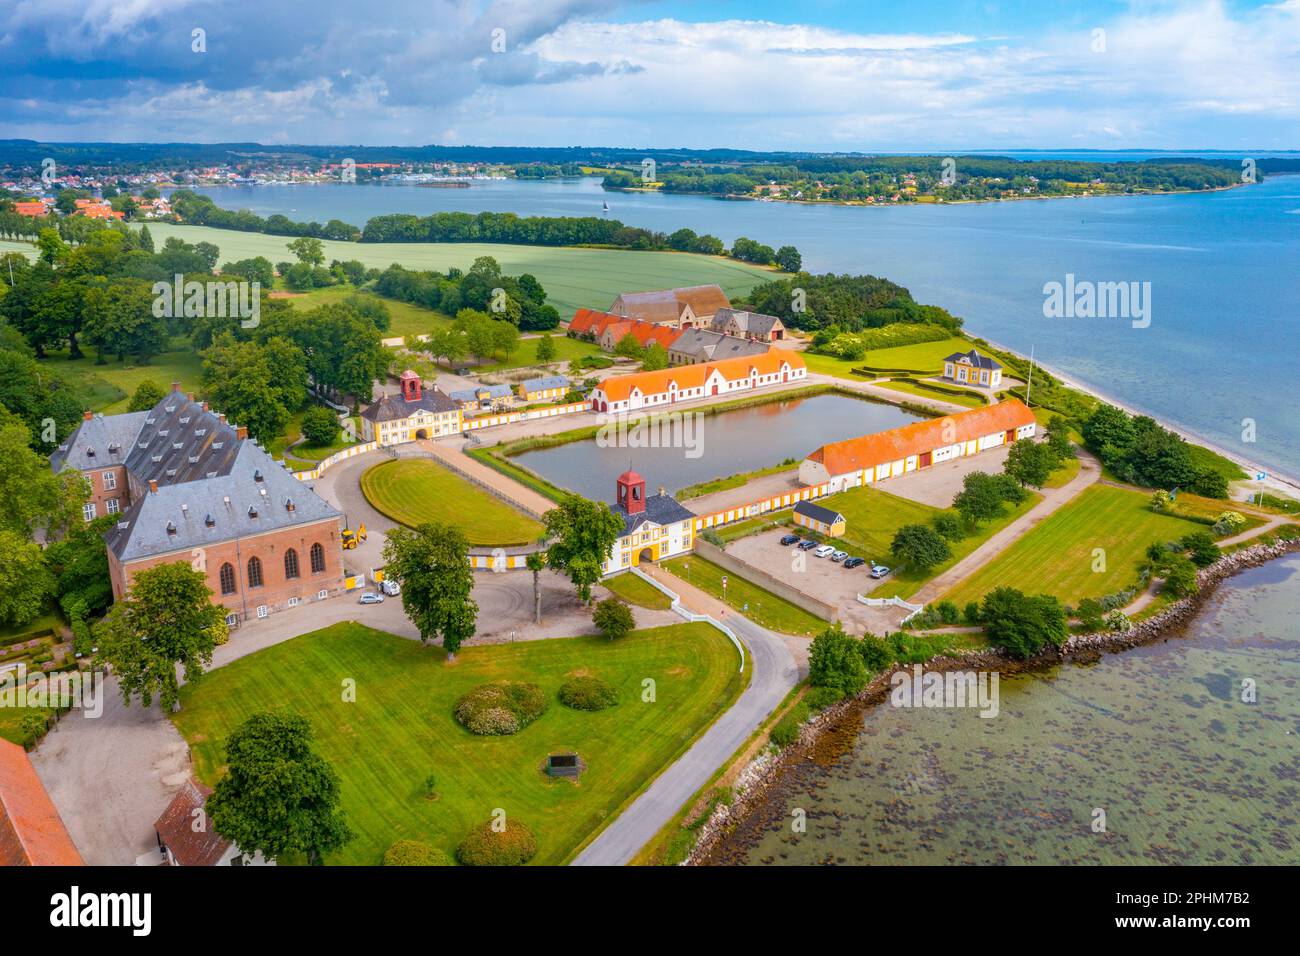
point(499, 709)
point(484, 846)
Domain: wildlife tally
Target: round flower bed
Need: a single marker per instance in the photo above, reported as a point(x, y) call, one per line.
point(503, 708)
point(513, 846)
point(588, 693)
point(415, 853)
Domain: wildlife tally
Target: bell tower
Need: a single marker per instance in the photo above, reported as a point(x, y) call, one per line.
point(411, 386)
point(631, 492)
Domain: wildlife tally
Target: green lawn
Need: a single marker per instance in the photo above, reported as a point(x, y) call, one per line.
point(921, 357)
point(573, 278)
point(872, 517)
point(405, 318)
point(415, 490)
point(107, 388)
point(636, 591)
point(765, 608)
point(400, 729)
point(970, 400)
point(1057, 556)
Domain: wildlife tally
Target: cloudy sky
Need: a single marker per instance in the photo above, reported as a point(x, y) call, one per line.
point(806, 75)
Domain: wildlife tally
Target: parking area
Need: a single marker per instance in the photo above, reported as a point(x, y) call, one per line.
point(819, 578)
point(938, 485)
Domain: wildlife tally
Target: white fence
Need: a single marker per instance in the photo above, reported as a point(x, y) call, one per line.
point(334, 459)
point(895, 601)
point(691, 615)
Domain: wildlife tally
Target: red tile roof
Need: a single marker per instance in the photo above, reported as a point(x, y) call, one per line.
point(868, 451)
point(31, 831)
point(693, 376)
point(176, 828)
point(592, 321)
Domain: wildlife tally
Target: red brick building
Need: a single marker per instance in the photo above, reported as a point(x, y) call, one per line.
point(190, 487)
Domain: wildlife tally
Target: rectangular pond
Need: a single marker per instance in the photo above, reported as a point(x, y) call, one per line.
point(713, 446)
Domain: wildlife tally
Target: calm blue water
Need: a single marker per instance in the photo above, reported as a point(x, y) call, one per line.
point(1221, 346)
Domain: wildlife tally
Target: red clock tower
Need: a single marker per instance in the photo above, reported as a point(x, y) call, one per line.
point(411, 386)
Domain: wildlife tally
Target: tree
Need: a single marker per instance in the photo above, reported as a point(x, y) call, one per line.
point(1108, 431)
point(1180, 576)
point(919, 547)
point(545, 350)
point(654, 358)
point(28, 582)
point(1023, 625)
point(146, 395)
point(949, 525)
point(980, 499)
point(628, 347)
point(835, 659)
point(505, 338)
point(431, 563)
point(1058, 437)
point(536, 562)
point(167, 618)
point(251, 388)
point(613, 618)
point(1030, 463)
point(788, 259)
point(584, 534)
point(79, 563)
point(309, 251)
point(1091, 614)
point(320, 426)
point(36, 499)
point(278, 795)
point(1204, 551)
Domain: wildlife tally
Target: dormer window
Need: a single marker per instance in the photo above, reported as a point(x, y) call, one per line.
point(185, 420)
point(90, 453)
point(157, 458)
point(149, 420)
point(252, 511)
point(169, 409)
point(200, 432)
point(194, 459)
point(257, 475)
point(171, 472)
point(163, 432)
point(289, 505)
point(210, 521)
point(217, 444)
point(178, 445)
point(171, 528)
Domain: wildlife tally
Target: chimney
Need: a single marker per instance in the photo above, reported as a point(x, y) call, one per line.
point(222, 418)
point(153, 485)
point(205, 406)
point(87, 414)
point(241, 432)
point(176, 386)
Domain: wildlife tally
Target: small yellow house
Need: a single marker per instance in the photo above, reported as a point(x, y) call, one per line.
point(819, 519)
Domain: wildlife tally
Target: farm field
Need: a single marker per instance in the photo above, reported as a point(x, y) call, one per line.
point(1057, 557)
point(413, 491)
point(765, 608)
point(400, 729)
point(573, 277)
point(873, 517)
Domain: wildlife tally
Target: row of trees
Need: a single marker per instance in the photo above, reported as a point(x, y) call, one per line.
point(519, 300)
point(831, 304)
point(1141, 451)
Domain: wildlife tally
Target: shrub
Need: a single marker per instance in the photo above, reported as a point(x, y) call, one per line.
point(971, 613)
point(415, 853)
point(320, 426)
point(1118, 621)
point(1091, 614)
point(515, 845)
point(949, 525)
point(588, 693)
point(1204, 551)
point(1229, 523)
point(1180, 578)
point(819, 698)
point(32, 727)
point(835, 660)
point(948, 612)
point(502, 708)
point(1023, 625)
point(876, 653)
point(613, 618)
point(786, 730)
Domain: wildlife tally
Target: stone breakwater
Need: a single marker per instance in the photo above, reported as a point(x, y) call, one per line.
point(825, 733)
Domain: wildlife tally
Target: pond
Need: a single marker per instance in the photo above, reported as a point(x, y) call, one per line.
point(712, 446)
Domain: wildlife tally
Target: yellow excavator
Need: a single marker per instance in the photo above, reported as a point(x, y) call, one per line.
point(353, 538)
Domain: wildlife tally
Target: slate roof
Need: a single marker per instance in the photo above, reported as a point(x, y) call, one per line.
point(974, 358)
point(176, 828)
point(662, 509)
point(714, 346)
point(472, 394)
point(817, 512)
point(755, 323)
point(99, 442)
point(253, 497)
point(391, 408)
point(546, 381)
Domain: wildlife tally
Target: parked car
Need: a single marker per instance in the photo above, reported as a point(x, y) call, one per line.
point(854, 562)
point(370, 597)
point(838, 556)
point(788, 539)
point(825, 551)
point(878, 570)
point(390, 587)
point(807, 544)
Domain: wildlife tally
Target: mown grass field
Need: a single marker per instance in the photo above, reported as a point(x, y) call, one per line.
point(400, 728)
point(911, 388)
point(573, 278)
point(873, 517)
point(413, 491)
point(405, 318)
point(107, 388)
point(636, 591)
point(921, 357)
point(1057, 556)
point(765, 608)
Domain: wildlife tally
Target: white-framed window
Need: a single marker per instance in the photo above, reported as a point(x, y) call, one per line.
point(293, 602)
point(110, 480)
point(263, 610)
point(322, 594)
point(88, 511)
point(111, 506)
point(232, 620)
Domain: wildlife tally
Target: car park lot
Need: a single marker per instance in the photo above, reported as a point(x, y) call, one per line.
point(820, 578)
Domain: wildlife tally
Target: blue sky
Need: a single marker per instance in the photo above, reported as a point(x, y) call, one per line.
point(811, 75)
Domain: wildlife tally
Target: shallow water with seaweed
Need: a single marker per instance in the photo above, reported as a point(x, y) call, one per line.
point(1158, 738)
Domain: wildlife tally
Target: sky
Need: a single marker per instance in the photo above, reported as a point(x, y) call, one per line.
point(816, 75)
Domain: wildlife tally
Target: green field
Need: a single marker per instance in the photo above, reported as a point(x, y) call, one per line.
point(970, 400)
point(922, 357)
point(573, 278)
point(107, 388)
point(872, 518)
point(636, 591)
point(405, 318)
point(765, 608)
point(1057, 556)
point(400, 729)
point(413, 491)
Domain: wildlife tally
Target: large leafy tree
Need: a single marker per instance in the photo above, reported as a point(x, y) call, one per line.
point(584, 534)
point(835, 660)
point(80, 565)
point(1023, 625)
point(980, 499)
point(278, 795)
point(431, 564)
point(255, 385)
point(167, 618)
point(28, 582)
point(1030, 462)
point(36, 499)
point(919, 546)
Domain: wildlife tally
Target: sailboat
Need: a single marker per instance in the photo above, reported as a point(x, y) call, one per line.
point(605, 206)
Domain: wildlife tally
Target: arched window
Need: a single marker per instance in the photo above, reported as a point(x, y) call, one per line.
point(227, 578)
point(254, 572)
point(317, 558)
point(291, 563)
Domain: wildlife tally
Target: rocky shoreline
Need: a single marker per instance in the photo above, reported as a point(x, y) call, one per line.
point(768, 769)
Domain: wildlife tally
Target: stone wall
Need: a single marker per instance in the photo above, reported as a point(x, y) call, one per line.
point(815, 607)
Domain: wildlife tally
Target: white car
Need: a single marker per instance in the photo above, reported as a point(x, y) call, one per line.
point(390, 587)
point(825, 551)
point(370, 597)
